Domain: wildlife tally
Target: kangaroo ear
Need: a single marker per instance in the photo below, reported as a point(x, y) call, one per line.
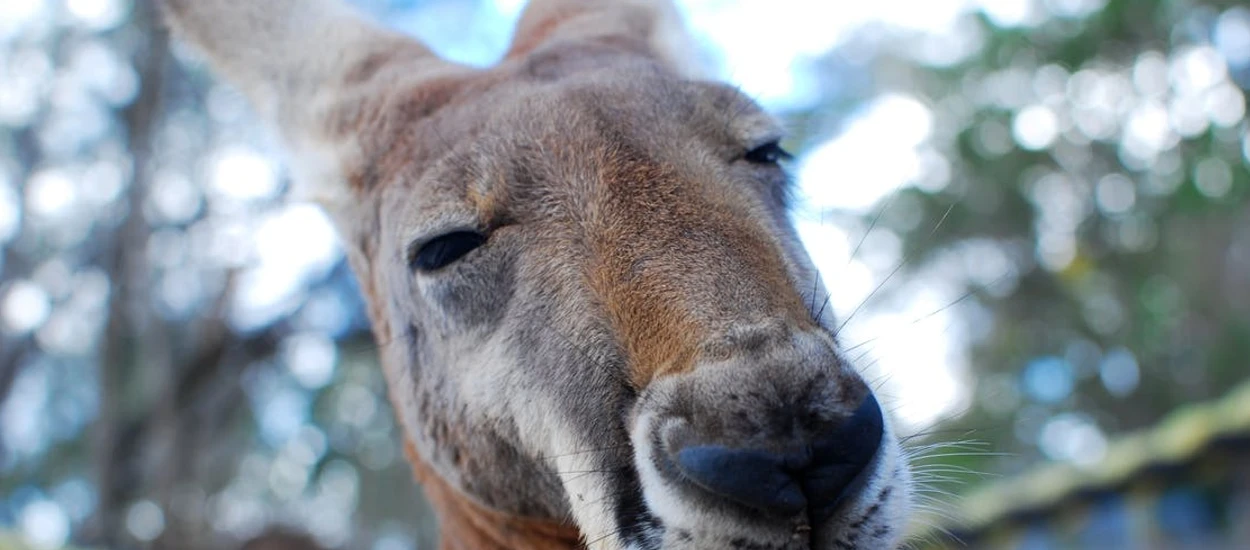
point(654, 27)
point(306, 65)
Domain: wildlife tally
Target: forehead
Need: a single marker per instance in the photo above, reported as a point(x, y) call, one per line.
point(514, 146)
point(645, 107)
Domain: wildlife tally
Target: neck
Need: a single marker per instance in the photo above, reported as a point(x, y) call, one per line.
point(467, 525)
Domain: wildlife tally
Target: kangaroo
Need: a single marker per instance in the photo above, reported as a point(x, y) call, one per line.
point(596, 322)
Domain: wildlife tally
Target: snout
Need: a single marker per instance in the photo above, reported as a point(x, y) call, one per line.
point(790, 477)
point(781, 445)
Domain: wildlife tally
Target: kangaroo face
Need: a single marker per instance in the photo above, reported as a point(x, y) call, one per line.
point(596, 322)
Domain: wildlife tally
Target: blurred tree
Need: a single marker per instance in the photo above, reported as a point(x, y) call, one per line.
point(1091, 197)
point(162, 385)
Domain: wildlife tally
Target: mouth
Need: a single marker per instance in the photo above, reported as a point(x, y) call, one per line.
point(743, 458)
point(859, 521)
point(658, 509)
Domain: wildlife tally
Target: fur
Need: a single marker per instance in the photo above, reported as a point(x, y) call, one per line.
point(640, 277)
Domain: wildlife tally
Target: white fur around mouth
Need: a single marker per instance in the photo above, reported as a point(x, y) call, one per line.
point(870, 520)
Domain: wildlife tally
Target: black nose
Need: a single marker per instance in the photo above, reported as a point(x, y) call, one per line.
point(815, 477)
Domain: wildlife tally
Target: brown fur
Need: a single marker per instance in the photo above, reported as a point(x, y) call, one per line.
point(660, 330)
point(467, 525)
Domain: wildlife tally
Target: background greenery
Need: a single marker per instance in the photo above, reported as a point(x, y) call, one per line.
point(1105, 157)
point(1083, 189)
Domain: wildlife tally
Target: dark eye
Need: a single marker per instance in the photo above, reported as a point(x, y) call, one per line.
point(768, 153)
point(441, 251)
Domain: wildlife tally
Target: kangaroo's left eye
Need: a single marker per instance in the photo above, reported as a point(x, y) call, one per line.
point(441, 251)
point(768, 153)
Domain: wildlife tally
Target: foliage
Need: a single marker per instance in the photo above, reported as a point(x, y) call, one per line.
point(1095, 212)
point(185, 359)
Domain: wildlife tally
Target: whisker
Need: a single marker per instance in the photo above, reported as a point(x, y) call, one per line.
point(927, 459)
point(968, 444)
point(964, 433)
point(950, 469)
point(880, 381)
point(928, 493)
point(873, 225)
point(588, 471)
point(907, 439)
point(971, 454)
point(586, 451)
point(931, 538)
point(811, 306)
point(895, 271)
point(970, 293)
point(823, 305)
point(932, 484)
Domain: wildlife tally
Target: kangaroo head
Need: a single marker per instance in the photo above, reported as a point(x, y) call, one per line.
point(597, 325)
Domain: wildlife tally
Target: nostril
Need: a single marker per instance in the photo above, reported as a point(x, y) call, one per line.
point(754, 478)
point(816, 478)
point(840, 455)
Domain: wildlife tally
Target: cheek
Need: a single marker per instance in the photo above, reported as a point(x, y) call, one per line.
point(473, 296)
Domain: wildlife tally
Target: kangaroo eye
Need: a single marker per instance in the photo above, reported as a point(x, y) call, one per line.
point(768, 153)
point(441, 251)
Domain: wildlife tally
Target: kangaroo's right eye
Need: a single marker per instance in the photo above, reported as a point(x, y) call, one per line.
point(767, 153)
point(441, 251)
